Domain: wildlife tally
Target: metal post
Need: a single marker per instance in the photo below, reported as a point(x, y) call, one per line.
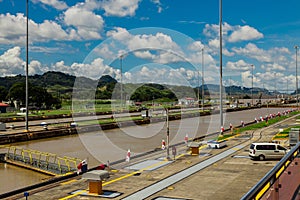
point(296, 47)
point(202, 79)
point(252, 86)
point(221, 75)
point(26, 73)
point(168, 134)
point(121, 66)
point(287, 88)
point(198, 86)
point(275, 87)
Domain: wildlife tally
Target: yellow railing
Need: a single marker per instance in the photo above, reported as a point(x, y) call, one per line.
point(39, 159)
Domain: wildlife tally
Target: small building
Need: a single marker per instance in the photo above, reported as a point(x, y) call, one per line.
point(3, 107)
point(186, 101)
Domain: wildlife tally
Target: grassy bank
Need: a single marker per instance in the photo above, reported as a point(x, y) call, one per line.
point(259, 125)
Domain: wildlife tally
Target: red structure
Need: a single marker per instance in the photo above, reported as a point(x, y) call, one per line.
point(3, 107)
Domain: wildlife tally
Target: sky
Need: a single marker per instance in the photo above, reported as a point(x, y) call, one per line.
point(155, 41)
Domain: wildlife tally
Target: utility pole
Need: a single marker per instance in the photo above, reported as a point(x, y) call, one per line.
point(202, 79)
point(221, 73)
point(296, 47)
point(26, 73)
point(121, 66)
point(252, 86)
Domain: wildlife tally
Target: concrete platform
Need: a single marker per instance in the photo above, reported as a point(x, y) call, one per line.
point(226, 178)
point(149, 165)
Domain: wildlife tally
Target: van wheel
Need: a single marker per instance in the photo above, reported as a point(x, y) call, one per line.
point(261, 157)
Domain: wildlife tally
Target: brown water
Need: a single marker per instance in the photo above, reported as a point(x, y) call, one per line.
point(13, 177)
point(111, 145)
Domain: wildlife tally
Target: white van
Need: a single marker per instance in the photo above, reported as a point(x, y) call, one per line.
point(262, 151)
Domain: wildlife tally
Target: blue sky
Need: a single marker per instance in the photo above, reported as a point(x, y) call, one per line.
point(160, 41)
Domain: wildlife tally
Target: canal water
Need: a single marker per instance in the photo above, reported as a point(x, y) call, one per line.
point(111, 145)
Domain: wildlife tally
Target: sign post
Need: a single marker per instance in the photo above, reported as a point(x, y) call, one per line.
point(174, 151)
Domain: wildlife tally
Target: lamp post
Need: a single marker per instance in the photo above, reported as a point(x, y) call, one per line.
point(198, 87)
point(26, 73)
point(202, 79)
point(287, 88)
point(275, 87)
point(296, 47)
point(121, 66)
point(221, 74)
point(252, 86)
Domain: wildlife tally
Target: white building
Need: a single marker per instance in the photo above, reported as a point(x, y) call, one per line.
point(186, 101)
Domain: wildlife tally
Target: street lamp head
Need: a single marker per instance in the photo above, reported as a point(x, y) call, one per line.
point(296, 46)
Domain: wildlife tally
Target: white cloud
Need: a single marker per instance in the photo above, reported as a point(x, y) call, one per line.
point(240, 65)
point(166, 49)
point(157, 41)
point(167, 57)
point(244, 33)
point(93, 70)
point(232, 33)
point(196, 46)
point(13, 30)
point(144, 54)
point(35, 67)
point(59, 5)
point(120, 8)
point(213, 30)
point(214, 43)
point(11, 63)
point(273, 67)
point(252, 51)
point(196, 58)
point(88, 24)
point(158, 4)
point(120, 34)
point(160, 74)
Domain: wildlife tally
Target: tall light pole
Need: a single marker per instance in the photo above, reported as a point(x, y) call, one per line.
point(287, 88)
point(221, 74)
point(202, 79)
point(26, 73)
point(296, 47)
point(121, 66)
point(275, 86)
point(198, 86)
point(252, 86)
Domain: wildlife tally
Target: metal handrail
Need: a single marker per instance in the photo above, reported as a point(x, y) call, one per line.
point(258, 190)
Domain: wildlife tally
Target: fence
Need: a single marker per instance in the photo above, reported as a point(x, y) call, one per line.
point(282, 182)
point(38, 160)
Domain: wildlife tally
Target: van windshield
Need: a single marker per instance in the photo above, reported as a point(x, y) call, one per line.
point(280, 148)
point(252, 146)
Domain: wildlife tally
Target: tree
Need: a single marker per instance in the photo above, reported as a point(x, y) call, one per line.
point(3, 93)
point(38, 96)
point(17, 92)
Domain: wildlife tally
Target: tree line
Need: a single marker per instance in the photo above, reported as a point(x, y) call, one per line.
point(38, 97)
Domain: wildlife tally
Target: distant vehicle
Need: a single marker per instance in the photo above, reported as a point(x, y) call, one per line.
point(262, 151)
point(23, 110)
point(216, 144)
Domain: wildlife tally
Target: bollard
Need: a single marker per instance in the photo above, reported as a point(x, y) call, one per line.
point(194, 146)
point(95, 179)
point(26, 194)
